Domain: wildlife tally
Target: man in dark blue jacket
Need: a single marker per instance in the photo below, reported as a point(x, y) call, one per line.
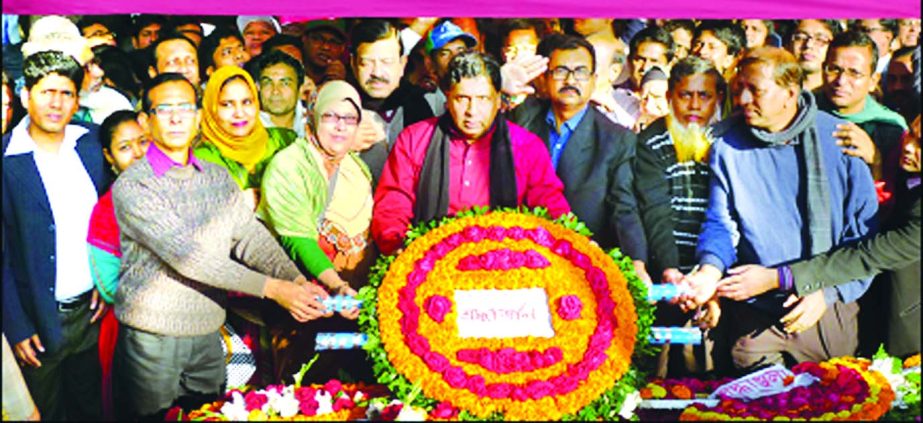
point(53, 174)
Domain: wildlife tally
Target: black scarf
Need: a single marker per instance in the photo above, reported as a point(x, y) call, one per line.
point(433, 185)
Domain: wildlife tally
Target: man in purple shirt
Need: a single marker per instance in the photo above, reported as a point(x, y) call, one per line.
point(187, 238)
point(467, 157)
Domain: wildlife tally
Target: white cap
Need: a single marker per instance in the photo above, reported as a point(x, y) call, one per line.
point(243, 21)
point(56, 33)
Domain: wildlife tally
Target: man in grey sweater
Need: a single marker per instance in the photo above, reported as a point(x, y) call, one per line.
point(187, 238)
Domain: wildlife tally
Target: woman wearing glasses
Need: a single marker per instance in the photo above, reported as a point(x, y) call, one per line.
point(317, 197)
point(232, 135)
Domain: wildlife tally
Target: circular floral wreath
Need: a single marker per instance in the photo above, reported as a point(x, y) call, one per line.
point(596, 303)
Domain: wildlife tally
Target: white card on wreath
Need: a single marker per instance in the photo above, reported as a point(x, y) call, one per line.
point(503, 313)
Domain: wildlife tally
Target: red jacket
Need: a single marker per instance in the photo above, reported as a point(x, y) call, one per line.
point(536, 182)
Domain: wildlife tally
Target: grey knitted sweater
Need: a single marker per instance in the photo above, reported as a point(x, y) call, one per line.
point(187, 238)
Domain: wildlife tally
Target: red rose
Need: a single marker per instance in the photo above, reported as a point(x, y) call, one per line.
point(468, 356)
point(455, 377)
point(516, 233)
point(343, 403)
point(569, 307)
point(499, 390)
point(333, 387)
point(475, 384)
point(562, 248)
point(255, 401)
point(417, 344)
point(444, 410)
point(436, 362)
point(474, 233)
point(535, 260)
point(539, 389)
point(437, 307)
point(390, 412)
point(540, 236)
point(496, 233)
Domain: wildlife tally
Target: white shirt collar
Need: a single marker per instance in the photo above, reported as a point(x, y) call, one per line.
point(22, 143)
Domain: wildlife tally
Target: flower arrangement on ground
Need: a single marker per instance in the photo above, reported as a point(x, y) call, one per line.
point(418, 316)
point(332, 401)
point(847, 390)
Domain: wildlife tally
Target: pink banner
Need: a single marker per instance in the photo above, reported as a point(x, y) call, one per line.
point(703, 9)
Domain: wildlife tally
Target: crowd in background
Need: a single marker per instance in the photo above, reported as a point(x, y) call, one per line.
point(173, 183)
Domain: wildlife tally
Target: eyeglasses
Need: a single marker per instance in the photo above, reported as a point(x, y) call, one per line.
point(836, 71)
point(561, 73)
point(801, 37)
point(333, 118)
point(166, 110)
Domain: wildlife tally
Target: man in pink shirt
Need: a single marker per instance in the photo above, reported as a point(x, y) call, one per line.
point(465, 158)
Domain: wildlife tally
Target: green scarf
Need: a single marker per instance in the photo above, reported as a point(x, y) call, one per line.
point(873, 111)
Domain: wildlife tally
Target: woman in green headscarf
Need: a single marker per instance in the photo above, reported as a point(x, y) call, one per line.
point(232, 135)
point(317, 197)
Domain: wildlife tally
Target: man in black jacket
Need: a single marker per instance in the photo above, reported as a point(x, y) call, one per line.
point(591, 155)
point(378, 67)
point(671, 179)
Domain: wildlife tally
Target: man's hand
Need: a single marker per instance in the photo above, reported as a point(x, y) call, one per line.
point(299, 299)
point(672, 276)
point(369, 133)
point(518, 73)
point(708, 316)
point(335, 71)
point(97, 303)
point(748, 281)
point(423, 25)
point(703, 282)
point(806, 313)
point(26, 351)
point(604, 99)
point(353, 313)
point(856, 142)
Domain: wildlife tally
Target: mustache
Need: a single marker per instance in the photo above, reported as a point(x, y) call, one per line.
point(377, 79)
point(569, 87)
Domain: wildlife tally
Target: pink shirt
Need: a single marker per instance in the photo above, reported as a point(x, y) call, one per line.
point(161, 163)
point(537, 184)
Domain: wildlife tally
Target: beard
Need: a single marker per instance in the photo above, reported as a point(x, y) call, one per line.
point(691, 142)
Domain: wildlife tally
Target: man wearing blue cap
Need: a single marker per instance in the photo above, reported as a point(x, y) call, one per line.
point(445, 41)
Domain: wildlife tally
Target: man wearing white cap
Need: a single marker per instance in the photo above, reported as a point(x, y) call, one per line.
point(256, 30)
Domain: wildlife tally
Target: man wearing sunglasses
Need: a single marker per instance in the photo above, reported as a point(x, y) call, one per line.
point(591, 154)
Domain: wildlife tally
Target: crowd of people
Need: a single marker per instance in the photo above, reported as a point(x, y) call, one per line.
point(171, 180)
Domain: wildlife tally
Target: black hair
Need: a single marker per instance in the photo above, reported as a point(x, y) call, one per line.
point(832, 25)
point(471, 65)
point(556, 42)
point(653, 34)
point(674, 24)
point(160, 79)
point(733, 36)
point(117, 65)
point(89, 20)
point(44, 63)
point(206, 51)
point(695, 65)
point(890, 25)
point(111, 123)
point(174, 22)
point(275, 57)
point(142, 21)
point(509, 25)
point(279, 40)
point(855, 39)
point(164, 37)
point(372, 30)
